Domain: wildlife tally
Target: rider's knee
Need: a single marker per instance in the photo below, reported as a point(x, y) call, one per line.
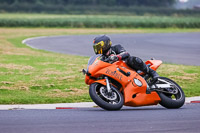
point(135, 62)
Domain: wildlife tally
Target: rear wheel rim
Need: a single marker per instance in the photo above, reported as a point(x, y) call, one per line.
point(175, 89)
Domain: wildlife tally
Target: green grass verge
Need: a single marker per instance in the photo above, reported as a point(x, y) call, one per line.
point(30, 76)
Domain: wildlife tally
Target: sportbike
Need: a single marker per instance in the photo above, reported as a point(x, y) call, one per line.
point(114, 84)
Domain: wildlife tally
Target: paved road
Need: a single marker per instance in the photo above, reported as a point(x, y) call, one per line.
point(151, 119)
point(179, 48)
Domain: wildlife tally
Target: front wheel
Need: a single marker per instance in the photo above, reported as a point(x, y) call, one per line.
point(172, 97)
point(108, 101)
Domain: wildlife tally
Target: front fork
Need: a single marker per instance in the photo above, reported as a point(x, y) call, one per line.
point(108, 85)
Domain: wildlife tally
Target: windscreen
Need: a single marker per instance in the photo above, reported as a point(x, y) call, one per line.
point(92, 59)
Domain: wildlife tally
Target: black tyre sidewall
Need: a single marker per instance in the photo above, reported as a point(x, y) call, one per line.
point(168, 102)
point(103, 104)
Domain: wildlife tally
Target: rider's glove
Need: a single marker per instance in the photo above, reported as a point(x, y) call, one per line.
point(114, 58)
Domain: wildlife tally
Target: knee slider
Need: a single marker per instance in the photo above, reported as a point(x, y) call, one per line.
point(138, 61)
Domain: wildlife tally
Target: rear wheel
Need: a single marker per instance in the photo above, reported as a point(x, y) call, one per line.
point(172, 97)
point(108, 101)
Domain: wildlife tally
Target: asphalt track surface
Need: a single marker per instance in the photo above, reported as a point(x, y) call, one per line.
point(151, 119)
point(178, 48)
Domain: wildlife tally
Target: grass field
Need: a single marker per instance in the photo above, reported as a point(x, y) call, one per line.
point(98, 21)
point(34, 76)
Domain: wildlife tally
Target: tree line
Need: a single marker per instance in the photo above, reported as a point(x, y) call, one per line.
point(123, 7)
point(153, 3)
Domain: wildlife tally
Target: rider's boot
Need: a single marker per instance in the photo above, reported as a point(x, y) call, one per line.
point(150, 71)
point(153, 74)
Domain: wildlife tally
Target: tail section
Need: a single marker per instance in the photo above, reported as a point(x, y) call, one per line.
point(153, 64)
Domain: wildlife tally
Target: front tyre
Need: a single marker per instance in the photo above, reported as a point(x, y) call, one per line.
point(174, 100)
point(107, 101)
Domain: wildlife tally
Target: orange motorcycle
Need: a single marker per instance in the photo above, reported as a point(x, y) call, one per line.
point(114, 84)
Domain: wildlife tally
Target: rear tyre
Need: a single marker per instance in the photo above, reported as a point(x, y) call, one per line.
point(107, 101)
point(172, 101)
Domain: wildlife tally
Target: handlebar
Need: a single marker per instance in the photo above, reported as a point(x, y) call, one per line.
point(109, 60)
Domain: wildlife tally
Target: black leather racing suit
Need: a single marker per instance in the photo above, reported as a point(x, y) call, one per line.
point(134, 62)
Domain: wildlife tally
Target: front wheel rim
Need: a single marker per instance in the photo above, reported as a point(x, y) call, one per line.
point(112, 98)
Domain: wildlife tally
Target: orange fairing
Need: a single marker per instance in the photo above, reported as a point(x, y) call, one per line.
point(135, 95)
point(96, 66)
point(88, 80)
point(94, 70)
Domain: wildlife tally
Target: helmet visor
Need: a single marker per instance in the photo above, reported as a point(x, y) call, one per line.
point(98, 47)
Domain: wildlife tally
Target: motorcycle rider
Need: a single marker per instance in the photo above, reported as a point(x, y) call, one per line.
point(103, 45)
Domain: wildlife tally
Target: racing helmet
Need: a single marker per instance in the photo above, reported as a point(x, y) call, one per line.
point(101, 44)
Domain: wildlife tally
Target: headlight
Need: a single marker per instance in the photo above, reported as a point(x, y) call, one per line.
point(138, 82)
